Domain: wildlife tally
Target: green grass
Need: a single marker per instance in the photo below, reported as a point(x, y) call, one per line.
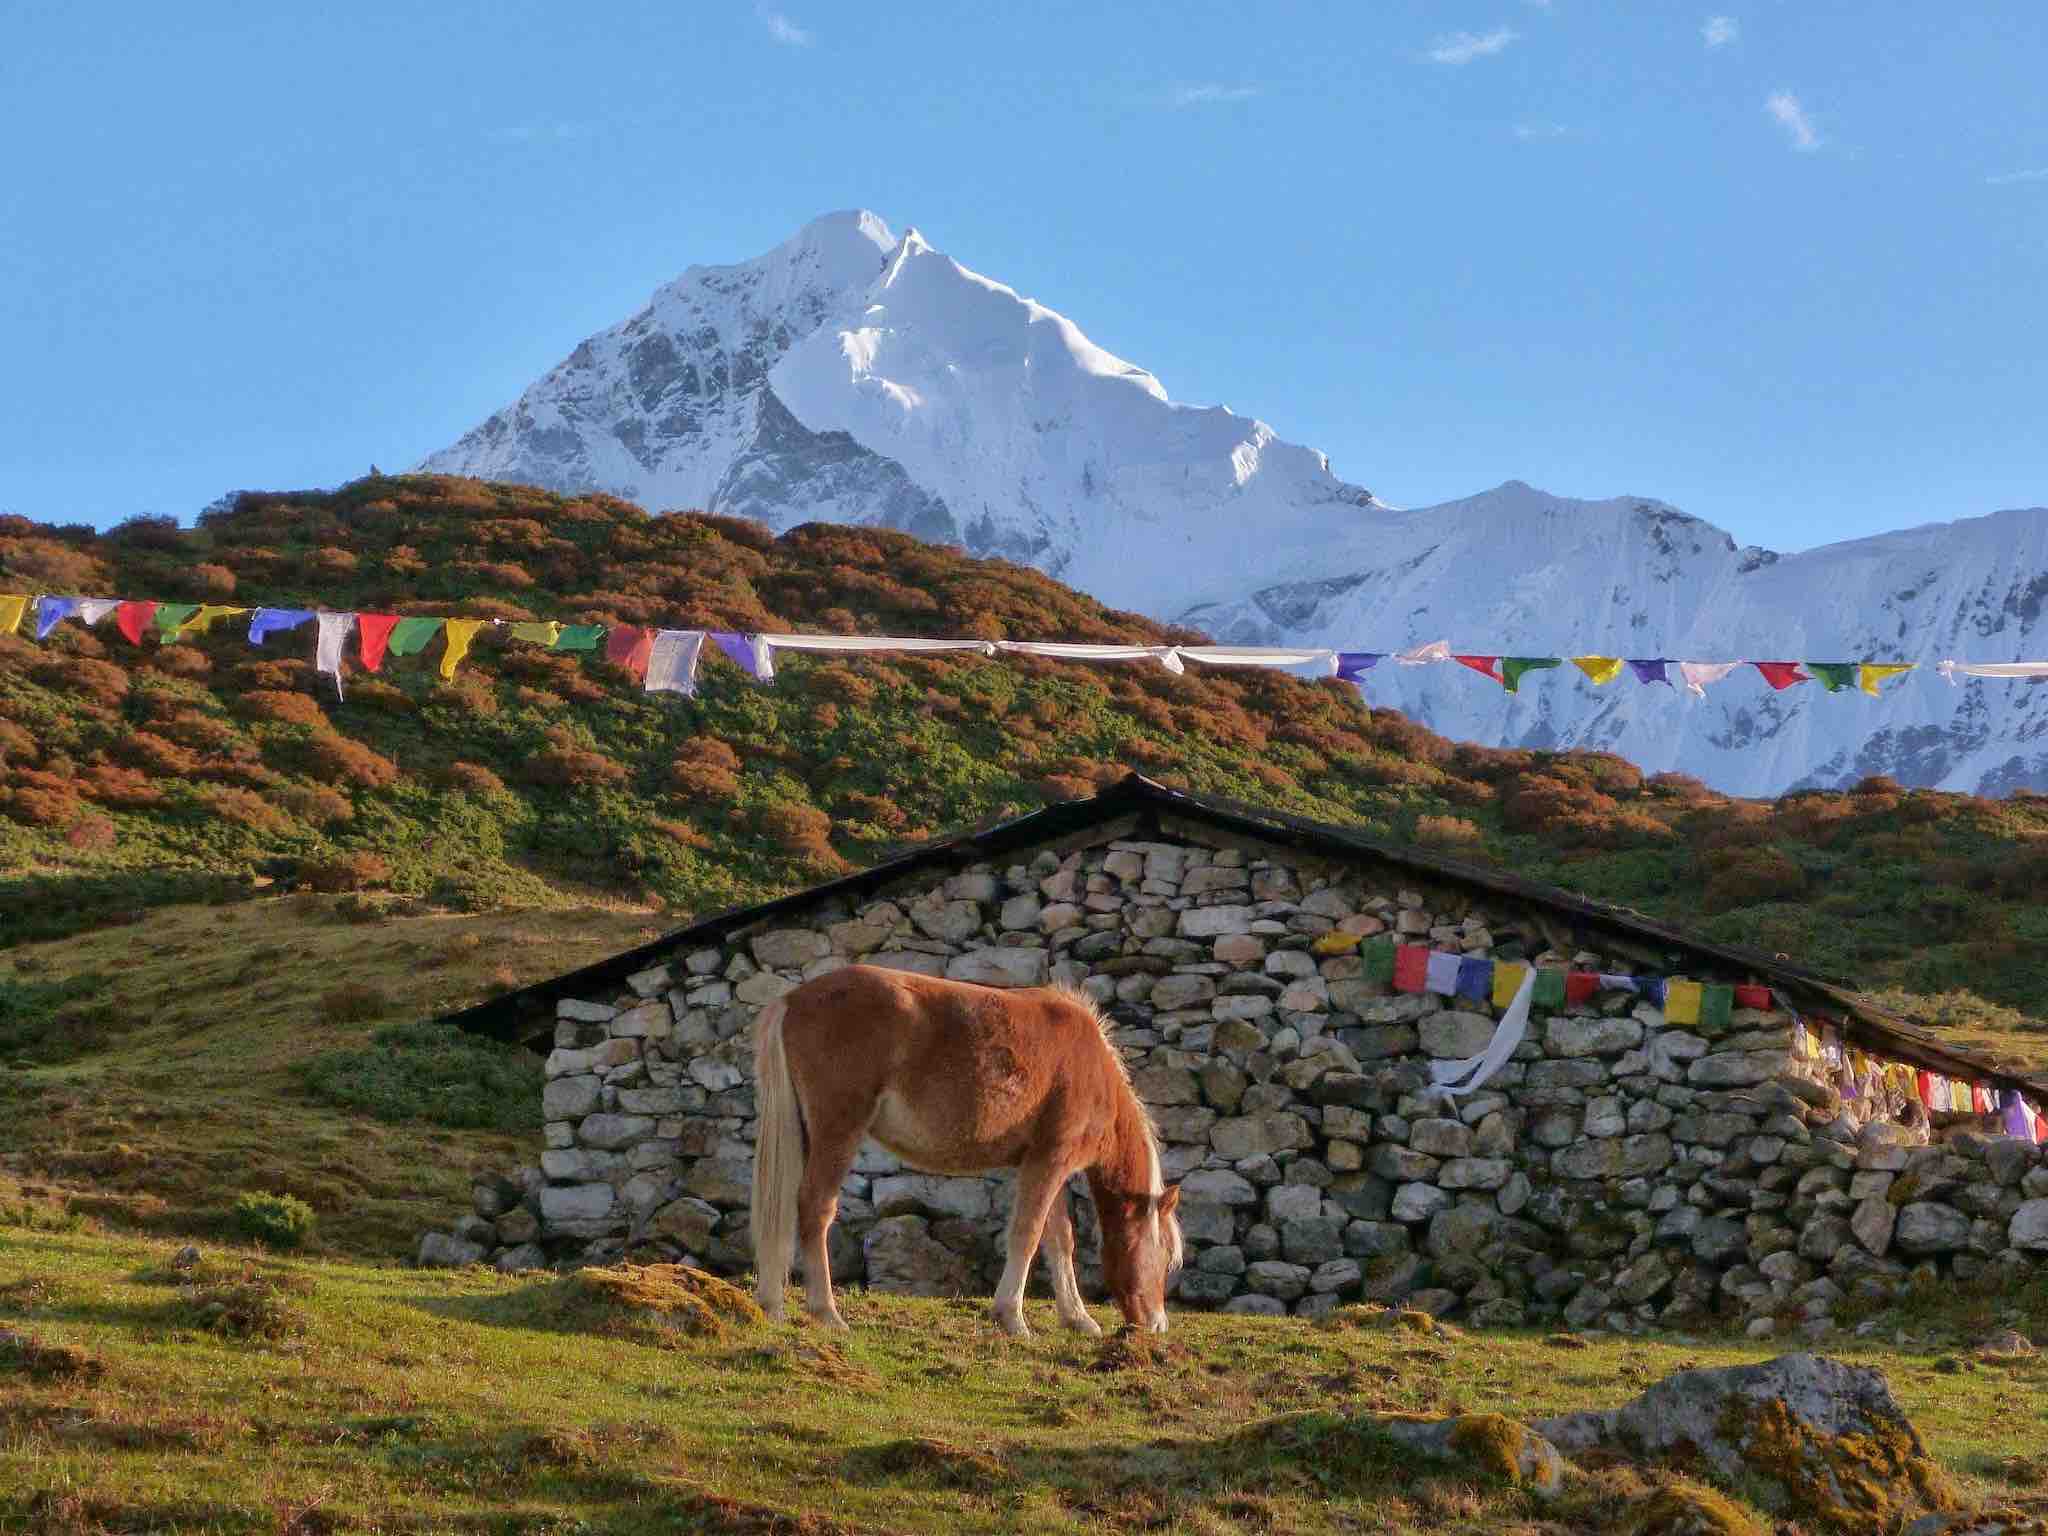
point(244, 1394)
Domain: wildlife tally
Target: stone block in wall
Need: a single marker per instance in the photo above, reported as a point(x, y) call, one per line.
point(578, 1011)
point(571, 1098)
point(789, 948)
point(1455, 1035)
point(1928, 1227)
point(2028, 1228)
point(762, 987)
point(611, 1132)
point(903, 1194)
point(560, 1203)
point(721, 1180)
point(909, 960)
point(1245, 1136)
point(1569, 1035)
point(1734, 1069)
point(1001, 967)
point(903, 1258)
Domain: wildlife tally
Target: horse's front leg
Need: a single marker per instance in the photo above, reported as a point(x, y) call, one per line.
point(1039, 1183)
point(1058, 1248)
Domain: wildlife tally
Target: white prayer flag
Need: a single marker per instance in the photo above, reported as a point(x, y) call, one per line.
point(672, 661)
point(335, 628)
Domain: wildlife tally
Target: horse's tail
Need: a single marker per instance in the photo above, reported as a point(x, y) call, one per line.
point(778, 1159)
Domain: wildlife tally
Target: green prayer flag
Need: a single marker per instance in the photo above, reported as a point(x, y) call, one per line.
point(411, 636)
point(171, 617)
point(1834, 675)
point(1512, 668)
point(1715, 1003)
point(580, 637)
point(1549, 992)
point(1378, 955)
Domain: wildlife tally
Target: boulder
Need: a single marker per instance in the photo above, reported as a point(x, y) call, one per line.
point(438, 1250)
point(1814, 1438)
point(905, 1260)
point(1490, 1446)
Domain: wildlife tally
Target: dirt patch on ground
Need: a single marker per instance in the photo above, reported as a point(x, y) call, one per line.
point(1137, 1349)
point(931, 1462)
point(25, 1354)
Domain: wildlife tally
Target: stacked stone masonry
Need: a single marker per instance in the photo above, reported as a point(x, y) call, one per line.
point(1617, 1172)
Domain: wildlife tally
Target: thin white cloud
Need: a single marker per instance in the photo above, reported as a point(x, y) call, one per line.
point(1791, 116)
point(782, 29)
point(1208, 93)
point(1464, 47)
point(2016, 178)
point(1720, 31)
point(1531, 133)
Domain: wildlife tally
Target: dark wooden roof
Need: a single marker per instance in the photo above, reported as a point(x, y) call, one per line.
point(1137, 807)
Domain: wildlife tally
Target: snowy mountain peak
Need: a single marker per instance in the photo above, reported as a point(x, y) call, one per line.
point(854, 375)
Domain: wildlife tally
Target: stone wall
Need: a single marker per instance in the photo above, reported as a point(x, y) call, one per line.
point(1617, 1171)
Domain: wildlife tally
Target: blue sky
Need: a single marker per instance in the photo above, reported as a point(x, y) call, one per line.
point(1783, 263)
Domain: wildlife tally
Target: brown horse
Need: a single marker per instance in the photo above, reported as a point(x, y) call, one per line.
point(954, 1078)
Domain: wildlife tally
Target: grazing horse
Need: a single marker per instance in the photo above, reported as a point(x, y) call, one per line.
point(955, 1078)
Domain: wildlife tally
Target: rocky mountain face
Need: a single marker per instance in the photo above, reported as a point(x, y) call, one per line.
point(851, 375)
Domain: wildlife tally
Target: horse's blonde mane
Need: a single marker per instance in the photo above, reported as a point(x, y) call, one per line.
point(1067, 991)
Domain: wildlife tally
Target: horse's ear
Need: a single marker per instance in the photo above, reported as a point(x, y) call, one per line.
point(1169, 1200)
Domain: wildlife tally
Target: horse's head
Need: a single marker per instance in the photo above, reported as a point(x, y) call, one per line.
point(1141, 1248)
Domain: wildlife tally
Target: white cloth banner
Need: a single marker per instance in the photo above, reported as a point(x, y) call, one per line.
point(1257, 656)
point(1949, 669)
point(1423, 655)
point(1166, 655)
point(1452, 1079)
point(672, 661)
point(93, 609)
point(335, 628)
point(874, 643)
point(1698, 674)
point(1441, 977)
point(1612, 983)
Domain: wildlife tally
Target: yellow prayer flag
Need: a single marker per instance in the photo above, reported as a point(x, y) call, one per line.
point(1507, 981)
point(1871, 673)
point(540, 634)
point(11, 610)
point(1682, 1002)
point(460, 633)
point(1959, 1096)
point(1602, 669)
point(202, 621)
point(1858, 1063)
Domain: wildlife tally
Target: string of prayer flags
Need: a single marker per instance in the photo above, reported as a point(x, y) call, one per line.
point(1870, 674)
point(460, 633)
point(52, 611)
point(411, 636)
point(547, 634)
point(1833, 675)
point(334, 632)
point(672, 662)
point(269, 621)
point(1781, 674)
point(630, 647)
point(11, 610)
point(1508, 671)
point(579, 637)
point(133, 619)
point(1601, 669)
point(373, 637)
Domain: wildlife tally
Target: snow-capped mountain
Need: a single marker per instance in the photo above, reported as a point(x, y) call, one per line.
point(850, 375)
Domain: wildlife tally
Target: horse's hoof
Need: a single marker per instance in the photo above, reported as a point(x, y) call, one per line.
point(830, 1320)
point(1014, 1325)
point(1083, 1324)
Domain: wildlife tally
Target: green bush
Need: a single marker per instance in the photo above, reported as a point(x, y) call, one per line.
point(435, 1073)
point(276, 1221)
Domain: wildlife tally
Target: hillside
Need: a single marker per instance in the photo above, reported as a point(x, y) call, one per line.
point(132, 776)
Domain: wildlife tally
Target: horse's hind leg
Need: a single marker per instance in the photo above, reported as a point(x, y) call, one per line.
point(1039, 1184)
point(1058, 1248)
point(831, 1154)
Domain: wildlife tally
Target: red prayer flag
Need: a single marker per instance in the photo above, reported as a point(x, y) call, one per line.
point(374, 631)
point(1485, 666)
point(630, 648)
point(1782, 674)
point(1980, 1100)
point(134, 619)
point(1411, 968)
point(1753, 996)
point(1926, 1084)
point(1579, 986)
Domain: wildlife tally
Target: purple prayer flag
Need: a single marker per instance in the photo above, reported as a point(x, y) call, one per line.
point(2015, 1115)
point(52, 611)
point(1650, 671)
point(739, 650)
point(1475, 978)
point(268, 621)
point(1353, 665)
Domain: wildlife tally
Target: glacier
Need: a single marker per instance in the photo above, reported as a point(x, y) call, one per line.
point(854, 375)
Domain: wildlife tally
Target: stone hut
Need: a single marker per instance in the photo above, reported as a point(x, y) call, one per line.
point(1619, 1169)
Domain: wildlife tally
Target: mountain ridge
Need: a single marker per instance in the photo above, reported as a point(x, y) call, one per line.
point(853, 375)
